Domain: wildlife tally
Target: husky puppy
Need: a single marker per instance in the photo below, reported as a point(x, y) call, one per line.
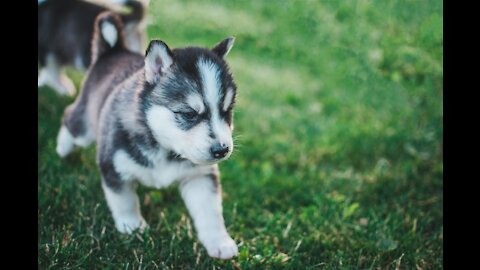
point(65, 30)
point(162, 119)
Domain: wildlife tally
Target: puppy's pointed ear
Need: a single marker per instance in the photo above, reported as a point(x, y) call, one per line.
point(158, 60)
point(223, 47)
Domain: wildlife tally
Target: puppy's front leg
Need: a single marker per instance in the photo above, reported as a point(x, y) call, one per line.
point(124, 205)
point(202, 197)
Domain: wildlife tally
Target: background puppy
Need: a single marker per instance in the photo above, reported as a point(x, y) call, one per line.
point(65, 30)
point(163, 119)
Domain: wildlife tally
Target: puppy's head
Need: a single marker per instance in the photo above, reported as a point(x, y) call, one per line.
point(188, 100)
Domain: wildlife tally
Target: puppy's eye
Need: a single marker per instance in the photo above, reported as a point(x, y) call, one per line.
point(190, 115)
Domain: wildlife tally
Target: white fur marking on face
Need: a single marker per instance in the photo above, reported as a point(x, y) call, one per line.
point(109, 33)
point(228, 99)
point(209, 73)
point(192, 144)
point(196, 103)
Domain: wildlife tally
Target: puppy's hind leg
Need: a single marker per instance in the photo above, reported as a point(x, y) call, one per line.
point(74, 129)
point(65, 142)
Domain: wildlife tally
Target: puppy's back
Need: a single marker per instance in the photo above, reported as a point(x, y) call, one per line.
point(111, 64)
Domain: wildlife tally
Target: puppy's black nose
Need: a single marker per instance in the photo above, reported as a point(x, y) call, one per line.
point(219, 150)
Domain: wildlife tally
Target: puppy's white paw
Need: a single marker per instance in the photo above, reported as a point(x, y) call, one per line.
point(128, 224)
point(64, 142)
point(221, 247)
point(42, 78)
point(63, 150)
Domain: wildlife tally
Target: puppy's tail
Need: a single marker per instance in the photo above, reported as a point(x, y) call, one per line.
point(107, 34)
point(137, 11)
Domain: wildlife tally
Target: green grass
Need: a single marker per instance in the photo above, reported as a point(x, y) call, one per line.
point(339, 163)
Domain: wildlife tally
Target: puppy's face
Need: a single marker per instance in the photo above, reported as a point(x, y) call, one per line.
point(188, 100)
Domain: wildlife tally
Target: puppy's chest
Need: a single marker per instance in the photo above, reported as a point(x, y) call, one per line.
point(159, 172)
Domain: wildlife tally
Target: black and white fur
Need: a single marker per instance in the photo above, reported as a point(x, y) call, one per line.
point(162, 119)
point(65, 29)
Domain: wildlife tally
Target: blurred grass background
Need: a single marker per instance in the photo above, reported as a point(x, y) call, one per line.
point(339, 162)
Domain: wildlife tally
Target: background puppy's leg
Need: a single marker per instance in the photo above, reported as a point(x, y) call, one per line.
point(123, 203)
point(202, 197)
point(42, 77)
point(64, 142)
point(54, 76)
point(74, 129)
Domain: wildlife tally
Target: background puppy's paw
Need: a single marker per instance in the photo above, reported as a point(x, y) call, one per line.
point(221, 248)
